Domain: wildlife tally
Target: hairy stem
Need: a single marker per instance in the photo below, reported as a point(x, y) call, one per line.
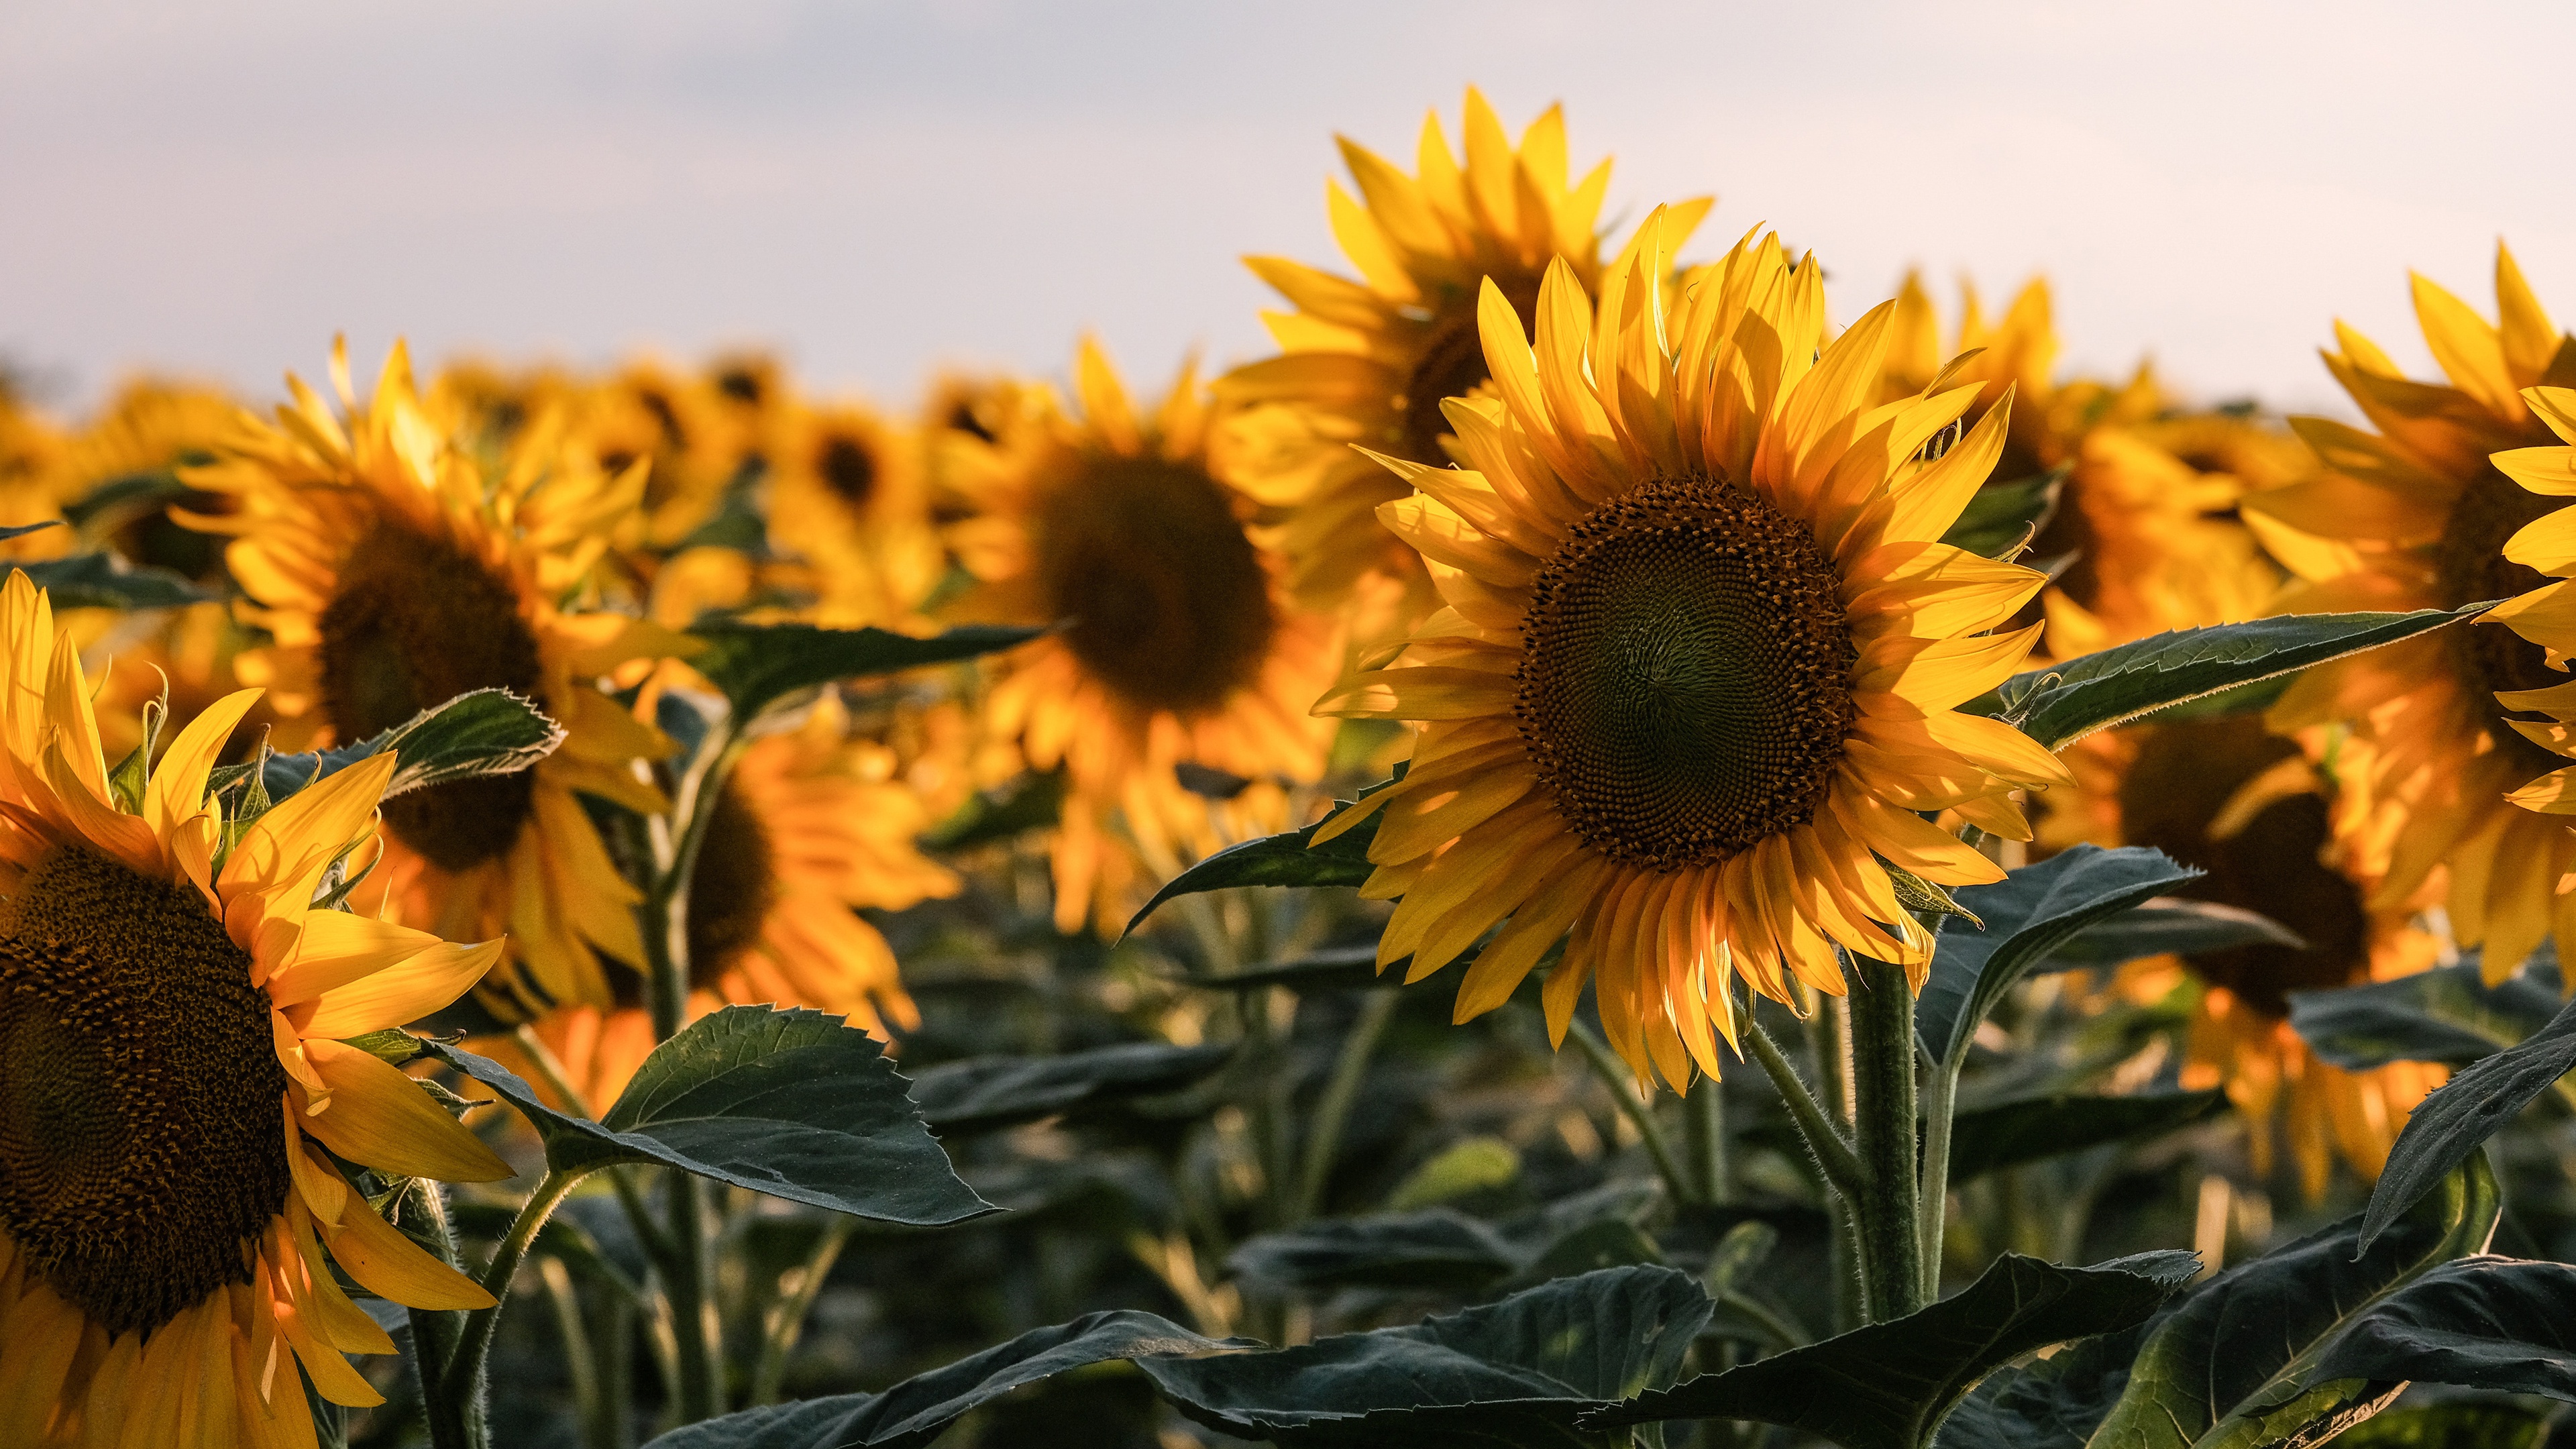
point(1886, 1214)
point(1824, 1138)
point(463, 1377)
point(1614, 1074)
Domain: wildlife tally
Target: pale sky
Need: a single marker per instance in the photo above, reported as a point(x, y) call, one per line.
point(217, 186)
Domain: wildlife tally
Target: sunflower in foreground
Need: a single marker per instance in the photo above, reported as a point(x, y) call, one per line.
point(1697, 666)
point(1183, 650)
point(809, 827)
point(175, 1098)
point(2414, 516)
point(394, 576)
point(1367, 362)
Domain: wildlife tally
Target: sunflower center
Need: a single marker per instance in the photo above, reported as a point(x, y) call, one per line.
point(2180, 783)
point(2470, 564)
point(1452, 364)
point(731, 889)
point(416, 622)
point(1685, 677)
point(847, 468)
point(141, 1150)
point(1170, 604)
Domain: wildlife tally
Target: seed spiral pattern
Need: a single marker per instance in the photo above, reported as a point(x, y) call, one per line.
point(1685, 678)
point(140, 1144)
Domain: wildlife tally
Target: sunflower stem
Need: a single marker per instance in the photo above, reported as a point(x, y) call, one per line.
point(434, 1332)
point(1614, 1074)
point(462, 1379)
point(1324, 1137)
point(1705, 1110)
point(787, 1319)
point(693, 1311)
point(1824, 1138)
point(1940, 1109)
point(1887, 1213)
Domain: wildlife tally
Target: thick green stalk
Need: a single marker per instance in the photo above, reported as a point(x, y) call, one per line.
point(1886, 1214)
point(1615, 1075)
point(462, 1379)
point(1705, 1107)
point(453, 1407)
point(1324, 1137)
point(688, 1286)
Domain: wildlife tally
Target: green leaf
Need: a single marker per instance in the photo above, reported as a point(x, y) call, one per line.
point(789, 1103)
point(985, 1094)
point(2029, 915)
point(104, 581)
point(2000, 517)
point(1888, 1386)
point(2449, 1425)
point(2007, 1134)
point(1033, 801)
point(2170, 926)
point(1465, 1167)
point(1336, 968)
point(916, 1411)
point(23, 529)
point(2240, 1361)
point(2062, 703)
point(486, 732)
point(2474, 1105)
point(756, 665)
point(1517, 1372)
point(1434, 1248)
point(1279, 860)
point(2448, 1015)
point(2499, 1324)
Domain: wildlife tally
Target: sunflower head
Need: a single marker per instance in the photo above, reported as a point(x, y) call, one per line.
point(1696, 671)
point(847, 494)
point(171, 1069)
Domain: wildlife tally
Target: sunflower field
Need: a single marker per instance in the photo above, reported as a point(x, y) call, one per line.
point(1587, 855)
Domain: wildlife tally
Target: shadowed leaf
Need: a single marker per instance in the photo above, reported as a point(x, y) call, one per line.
point(985, 1094)
point(755, 665)
point(2007, 1134)
point(2473, 1106)
point(2446, 1015)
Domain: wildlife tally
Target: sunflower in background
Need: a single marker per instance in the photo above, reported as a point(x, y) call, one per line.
point(811, 826)
point(1698, 664)
point(848, 496)
point(393, 574)
point(31, 456)
point(167, 1005)
point(695, 438)
point(1365, 364)
point(2414, 516)
point(1184, 647)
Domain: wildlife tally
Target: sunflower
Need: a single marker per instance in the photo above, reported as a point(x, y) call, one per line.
point(393, 576)
point(847, 494)
point(119, 475)
point(811, 826)
point(32, 450)
point(1183, 647)
point(1367, 362)
point(695, 437)
point(175, 1099)
point(1697, 666)
point(2414, 516)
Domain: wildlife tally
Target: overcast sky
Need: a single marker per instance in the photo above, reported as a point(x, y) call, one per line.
point(216, 186)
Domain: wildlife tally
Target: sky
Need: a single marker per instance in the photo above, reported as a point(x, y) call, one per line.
point(876, 190)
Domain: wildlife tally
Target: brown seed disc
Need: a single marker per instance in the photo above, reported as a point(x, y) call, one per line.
point(1452, 364)
point(1169, 601)
point(1685, 678)
point(141, 1148)
point(2470, 563)
point(417, 621)
point(731, 889)
point(847, 466)
point(2181, 779)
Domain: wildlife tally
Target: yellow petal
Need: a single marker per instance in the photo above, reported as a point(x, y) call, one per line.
point(398, 1270)
point(398, 994)
point(382, 1118)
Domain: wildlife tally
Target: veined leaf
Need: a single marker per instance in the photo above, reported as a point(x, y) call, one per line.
point(2446, 1127)
point(2029, 915)
point(486, 732)
point(1889, 1385)
point(2007, 1134)
point(2499, 1324)
point(789, 1103)
point(2170, 925)
point(1279, 860)
point(2448, 1015)
point(2062, 703)
point(756, 665)
point(985, 1094)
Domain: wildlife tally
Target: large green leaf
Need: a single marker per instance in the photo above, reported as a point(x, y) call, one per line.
point(790, 1103)
point(1279, 860)
point(2473, 1106)
point(2449, 1424)
point(2172, 926)
point(2062, 703)
point(985, 1094)
point(1889, 1385)
point(2029, 915)
point(914, 1412)
point(104, 581)
point(2448, 1015)
point(2007, 1134)
point(485, 732)
point(2000, 516)
point(2241, 1361)
point(758, 664)
point(1518, 1372)
point(2499, 1324)
point(1429, 1248)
